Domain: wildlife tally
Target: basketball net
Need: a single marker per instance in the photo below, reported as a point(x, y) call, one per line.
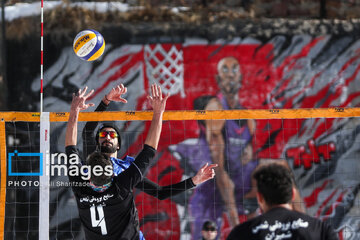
point(165, 66)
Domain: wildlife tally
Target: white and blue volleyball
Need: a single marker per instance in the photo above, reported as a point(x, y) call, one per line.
point(89, 45)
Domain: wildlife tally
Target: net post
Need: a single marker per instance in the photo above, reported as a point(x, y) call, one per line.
point(3, 177)
point(44, 188)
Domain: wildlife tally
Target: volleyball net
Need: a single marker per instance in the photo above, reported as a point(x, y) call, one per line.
point(320, 146)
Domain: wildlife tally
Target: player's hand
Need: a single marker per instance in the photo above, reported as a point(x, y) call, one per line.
point(157, 101)
point(79, 100)
point(205, 173)
point(116, 93)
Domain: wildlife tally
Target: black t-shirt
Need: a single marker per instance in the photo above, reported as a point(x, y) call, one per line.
point(111, 214)
point(281, 223)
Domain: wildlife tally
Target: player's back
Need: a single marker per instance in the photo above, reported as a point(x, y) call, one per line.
point(281, 223)
point(108, 215)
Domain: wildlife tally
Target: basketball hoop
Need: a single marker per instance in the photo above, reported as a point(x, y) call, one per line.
point(165, 66)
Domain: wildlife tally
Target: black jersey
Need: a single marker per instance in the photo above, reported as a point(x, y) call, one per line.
point(111, 214)
point(281, 223)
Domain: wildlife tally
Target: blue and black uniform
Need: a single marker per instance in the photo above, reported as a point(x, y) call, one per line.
point(120, 165)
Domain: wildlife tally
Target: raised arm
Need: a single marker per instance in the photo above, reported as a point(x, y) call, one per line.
point(134, 174)
point(88, 133)
point(77, 104)
point(158, 104)
point(164, 192)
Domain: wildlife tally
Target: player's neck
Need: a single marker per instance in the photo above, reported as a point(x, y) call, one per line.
point(114, 155)
point(285, 205)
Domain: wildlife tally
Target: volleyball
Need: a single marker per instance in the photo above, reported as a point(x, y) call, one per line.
point(89, 45)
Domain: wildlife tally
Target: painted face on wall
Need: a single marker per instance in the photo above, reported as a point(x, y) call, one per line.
point(108, 140)
point(214, 125)
point(229, 75)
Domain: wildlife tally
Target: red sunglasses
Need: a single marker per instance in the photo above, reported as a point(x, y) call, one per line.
point(112, 134)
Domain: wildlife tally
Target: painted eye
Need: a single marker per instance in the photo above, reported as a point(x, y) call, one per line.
point(225, 69)
point(235, 69)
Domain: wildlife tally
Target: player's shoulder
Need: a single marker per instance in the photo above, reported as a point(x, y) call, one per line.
point(241, 231)
point(295, 216)
point(71, 148)
point(315, 224)
point(302, 215)
point(128, 159)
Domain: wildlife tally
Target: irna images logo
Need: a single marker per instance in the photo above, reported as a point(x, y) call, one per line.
point(10, 160)
point(58, 164)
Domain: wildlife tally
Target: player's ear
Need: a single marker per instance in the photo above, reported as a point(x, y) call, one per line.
point(293, 194)
point(259, 197)
point(260, 200)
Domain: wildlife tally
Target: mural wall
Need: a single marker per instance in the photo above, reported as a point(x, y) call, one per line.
point(298, 71)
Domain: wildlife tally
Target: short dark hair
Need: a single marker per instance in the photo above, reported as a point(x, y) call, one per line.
point(106, 125)
point(209, 225)
point(99, 159)
point(274, 182)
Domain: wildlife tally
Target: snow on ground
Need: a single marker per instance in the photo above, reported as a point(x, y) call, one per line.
point(30, 9)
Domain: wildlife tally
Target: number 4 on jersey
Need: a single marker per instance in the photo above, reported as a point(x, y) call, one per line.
point(98, 222)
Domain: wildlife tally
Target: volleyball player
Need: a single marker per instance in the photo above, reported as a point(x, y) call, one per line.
point(107, 140)
point(275, 191)
point(106, 203)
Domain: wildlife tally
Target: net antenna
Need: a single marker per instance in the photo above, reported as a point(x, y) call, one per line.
point(165, 66)
point(44, 189)
point(42, 56)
